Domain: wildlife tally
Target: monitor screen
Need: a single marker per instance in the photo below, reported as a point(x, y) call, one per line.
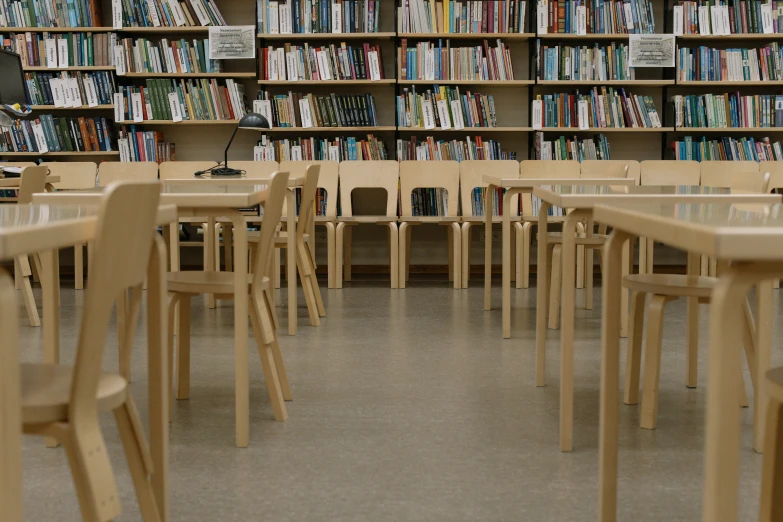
point(12, 79)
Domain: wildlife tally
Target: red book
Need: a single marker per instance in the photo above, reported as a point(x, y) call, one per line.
point(140, 146)
point(93, 134)
point(85, 138)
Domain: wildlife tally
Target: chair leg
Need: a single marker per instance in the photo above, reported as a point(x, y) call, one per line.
point(307, 288)
point(642, 255)
point(319, 302)
point(27, 291)
point(282, 375)
point(450, 241)
point(338, 255)
point(78, 266)
point(456, 254)
point(527, 229)
point(347, 245)
point(513, 251)
point(403, 254)
point(408, 235)
point(554, 288)
point(173, 302)
point(269, 366)
point(330, 230)
point(589, 277)
point(580, 259)
point(692, 358)
point(139, 460)
point(652, 361)
point(520, 253)
point(183, 349)
point(633, 361)
point(276, 267)
point(126, 333)
point(650, 256)
point(772, 470)
point(466, 236)
point(394, 261)
point(228, 246)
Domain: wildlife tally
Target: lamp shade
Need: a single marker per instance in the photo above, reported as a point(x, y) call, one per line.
point(253, 120)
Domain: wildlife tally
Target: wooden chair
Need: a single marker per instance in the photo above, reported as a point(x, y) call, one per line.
point(366, 174)
point(111, 171)
point(64, 402)
point(775, 169)
point(33, 181)
point(75, 176)
point(772, 469)
point(470, 173)
point(664, 288)
point(184, 285)
point(430, 174)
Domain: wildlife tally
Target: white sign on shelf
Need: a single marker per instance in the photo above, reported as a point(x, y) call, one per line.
point(337, 17)
point(542, 17)
point(124, 148)
point(678, 20)
point(274, 27)
point(232, 42)
point(766, 18)
point(62, 52)
point(538, 114)
point(324, 71)
point(119, 60)
point(92, 94)
point(201, 12)
point(443, 112)
point(57, 92)
point(264, 108)
point(176, 110)
point(581, 20)
point(334, 153)
point(116, 14)
point(119, 107)
point(628, 15)
point(67, 94)
point(304, 109)
point(429, 64)
point(584, 115)
point(76, 95)
point(176, 10)
point(651, 50)
point(40, 138)
point(456, 112)
point(704, 20)
point(428, 113)
point(138, 109)
point(375, 66)
point(292, 69)
point(296, 153)
point(51, 53)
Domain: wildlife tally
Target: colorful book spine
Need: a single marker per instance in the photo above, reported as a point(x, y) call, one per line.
point(430, 149)
point(721, 17)
point(341, 148)
point(46, 50)
point(349, 61)
point(604, 107)
point(317, 110)
point(572, 148)
point(431, 61)
point(177, 56)
point(197, 99)
point(319, 16)
point(58, 134)
point(461, 17)
point(727, 149)
point(597, 62)
point(733, 65)
point(446, 108)
point(598, 16)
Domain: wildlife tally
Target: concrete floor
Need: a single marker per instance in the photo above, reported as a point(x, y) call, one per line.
point(408, 406)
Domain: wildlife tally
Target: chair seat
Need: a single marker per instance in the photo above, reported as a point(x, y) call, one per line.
point(204, 282)
point(429, 219)
point(581, 239)
point(481, 219)
point(366, 219)
point(281, 239)
point(46, 392)
point(675, 285)
point(773, 384)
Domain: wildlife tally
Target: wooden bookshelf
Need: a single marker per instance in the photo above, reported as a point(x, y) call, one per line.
point(383, 128)
point(236, 75)
point(728, 130)
point(750, 36)
point(56, 29)
point(81, 108)
point(477, 130)
point(78, 68)
point(468, 36)
point(609, 129)
point(46, 154)
point(166, 30)
point(607, 83)
point(488, 83)
point(183, 122)
point(762, 83)
point(589, 36)
point(328, 36)
point(325, 83)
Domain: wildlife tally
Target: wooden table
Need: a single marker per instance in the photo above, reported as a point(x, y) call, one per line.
point(751, 237)
point(215, 199)
point(43, 229)
point(290, 219)
point(580, 200)
point(512, 187)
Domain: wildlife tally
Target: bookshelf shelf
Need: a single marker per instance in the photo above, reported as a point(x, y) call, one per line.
point(728, 130)
point(56, 29)
point(82, 68)
point(328, 129)
point(166, 30)
point(469, 36)
point(45, 154)
point(477, 130)
point(81, 108)
point(488, 83)
point(183, 122)
point(240, 75)
point(389, 81)
point(589, 36)
point(609, 129)
point(328, 36)
point(751, 36)
point(608, 83)
point(730, 84)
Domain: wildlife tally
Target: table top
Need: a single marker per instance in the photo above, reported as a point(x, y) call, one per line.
point(586, 196)
point(27, 229)
point(212, 194)
point(736, 231)
point(167, 213)
point(230, 181)
point(15, 182)
point(534, 182)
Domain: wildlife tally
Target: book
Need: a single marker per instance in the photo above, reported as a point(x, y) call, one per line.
point(50, 13)
point(428, 61)
point(474, 148)
point(445, 107)
point(59, 134)
point(572, 148)
point(138, 145)
point(728, 110)
point(170, 13)
point(463, 17)
point(602, 17)
point(305, 16)
point(734, 64)
point(49, 88)
point(721, 17)
point(727, 149)
point(168, 56)
point(196, 99)
point(341, 148)
point(318, 110)
point(323, 63)
point(41, 49)
point(579, 63)
point(606, 108)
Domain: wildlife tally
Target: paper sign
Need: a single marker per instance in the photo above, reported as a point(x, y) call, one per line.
point(334, 153)
point(766, 18)
point(651, 50)
point(176, 10)
point(429, 64)
point(581, 20)
point(323, 65)
point(292, 70)
point(176, 111)
point(443, 112)
point(584, 116)
point(62, 52)
point(628, 15)
point(264, 108)
point(122, 144)
point(304, 110)
point(375, 66)
point(456, 113)
point(51, 53)
point(704, 20)
point(153, 11)
point(726, 20)
point(116, 14)
point(92, 94)
point(119, 60)
point(40, 138)
point(428, 114)
point(273, 66)
point(542, 17)
point(296, 153)
point(234, 42)
point(337, 17)
point(67, 94)
point(138, 110)
point(76, 94)
point(285, 18)
point(678, 20)
point(538, 114)
point(119, 107)
point(274, 27)
point(57, 92)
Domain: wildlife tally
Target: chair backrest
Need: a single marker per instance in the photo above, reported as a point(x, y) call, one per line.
point(545, 169)
point(775, 169)
point(369, 174)
point(111, 171)
point(327, 179)
point(74, 175)
point(470, 173)
point(256, 169)
point(273, 210)
point(182, 169)
point(123, 243)
point(736, 175)
point(430, 174)
point(17, 164)
point(307, 203)
point(33, 181)
point(669, 172)
point(611, 169)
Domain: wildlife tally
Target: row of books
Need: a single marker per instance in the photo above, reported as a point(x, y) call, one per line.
point(468, 16)
point(427, 61)
point(313, 110)
point(553, 210)
point(60, 50)
point(599, 62)
point(608, 109)
point(176, 56)
point(177, 100)
point(446, 108)
point(721, 17)
point(429, 202)
point(70, 89)
point(719, 111)
point(168, 13)
point(49, 133)
point(478, 197)
point(727, 149)
point(595, 16)
point(332, 62)
point(458, 150)
point(734, 65)
point(341, 148)
point(50, 13)
point(137, 145)
point(579, 149)
point(318, 16)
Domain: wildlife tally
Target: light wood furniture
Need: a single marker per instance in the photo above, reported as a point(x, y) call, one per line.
point(367, 174)
point(428, 174)
point(222, 198)
point(32, 181)
point(470, 179)
point(111, 171)
point(75, 176)
point(772, 471)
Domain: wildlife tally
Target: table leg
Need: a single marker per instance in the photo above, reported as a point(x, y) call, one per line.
point(542, 297)
point(692, 306)
point(159, 385)
point(489, 210)
point(210, 239)
point(763, 360)
point(506, 280)
point(10, 406)
point(290, 253)
point(242, 390)
point(627, 263)
point(610, 376)
point(51, 312)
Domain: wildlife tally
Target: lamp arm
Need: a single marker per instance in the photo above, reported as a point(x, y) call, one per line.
point(225, 155)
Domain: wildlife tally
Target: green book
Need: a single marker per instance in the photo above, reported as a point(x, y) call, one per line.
point(64, 135)
point(90, 49)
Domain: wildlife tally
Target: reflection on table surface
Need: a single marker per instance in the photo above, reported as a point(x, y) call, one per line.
point(663, 190)
point(31, 215)
point(213, 187)
point(723, 215)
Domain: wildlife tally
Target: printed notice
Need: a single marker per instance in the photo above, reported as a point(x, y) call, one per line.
point(538, 114)
point(40, 138)
point(89, 90)
point(119, 60)
point(428, 113)
point(119, 107)
point(62, 52)
point(116, 14)
point(293, 71)
point(429, 64)
point(704, 20)
point(581, 20)
point(337, 17)
point(138, 111)
point(456, 112)
point(176, 110)
point(766, 18)
point(443, 112)
point(296, 153)
point(542, 16)
point(51, 53)
point(628, 15)
point(678, 20)
point(232, 42)
point(584, 116)
point(57, 92)
point(651, 50)
point(304, 109)
point(375, 66)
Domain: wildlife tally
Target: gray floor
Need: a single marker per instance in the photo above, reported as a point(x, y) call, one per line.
point(408, 406)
